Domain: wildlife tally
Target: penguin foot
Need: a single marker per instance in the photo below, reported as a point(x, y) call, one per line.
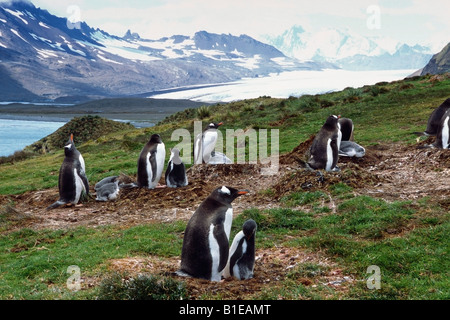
point(55, 205)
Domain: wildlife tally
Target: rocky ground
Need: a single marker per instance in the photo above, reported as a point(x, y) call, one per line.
point(389, 171)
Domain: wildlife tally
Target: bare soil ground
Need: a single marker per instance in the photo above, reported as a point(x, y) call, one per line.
point(389, 171)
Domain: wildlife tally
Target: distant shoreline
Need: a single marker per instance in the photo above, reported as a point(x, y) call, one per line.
point(138, 111)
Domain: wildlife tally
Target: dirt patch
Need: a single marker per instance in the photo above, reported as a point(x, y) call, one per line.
point(388, 171)
point(272, 267)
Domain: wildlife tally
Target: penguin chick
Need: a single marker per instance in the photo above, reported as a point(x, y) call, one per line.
point(241, 260)
point(108, 191)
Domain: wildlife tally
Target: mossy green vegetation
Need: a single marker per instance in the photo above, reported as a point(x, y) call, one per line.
point(407, 240)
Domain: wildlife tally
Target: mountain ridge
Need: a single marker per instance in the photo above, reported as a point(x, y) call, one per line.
point(50, 58)
point(350, 50)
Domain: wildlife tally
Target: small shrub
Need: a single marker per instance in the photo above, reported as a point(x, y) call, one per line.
point(142, 287)
point(203, 112)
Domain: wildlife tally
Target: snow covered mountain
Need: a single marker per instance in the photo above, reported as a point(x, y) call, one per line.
point(350, 50)
point(44, 57)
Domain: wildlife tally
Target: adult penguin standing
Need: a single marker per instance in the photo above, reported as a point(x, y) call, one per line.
point(72, 180)
point(324, 151)
point(206, 238)
point(205, 143)
point(151, 163)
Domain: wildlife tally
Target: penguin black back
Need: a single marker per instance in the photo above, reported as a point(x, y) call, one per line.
point(324, 151)
point(206, 239)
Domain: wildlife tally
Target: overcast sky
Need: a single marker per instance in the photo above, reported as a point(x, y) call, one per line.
point(423, 22)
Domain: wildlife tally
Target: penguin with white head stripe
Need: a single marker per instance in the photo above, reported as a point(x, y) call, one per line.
point(205, 143)
point(72, 180)
point(241, 259)
point(151, 163)
point(205, 248)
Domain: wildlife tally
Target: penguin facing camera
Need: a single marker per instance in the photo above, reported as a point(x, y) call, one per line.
point(72, 181)
point(205, 143)
point(241, 258)
point(205, 247)
point(324, 151)
point(151, 163)
point(176, 171)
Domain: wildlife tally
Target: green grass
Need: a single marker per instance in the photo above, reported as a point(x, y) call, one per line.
point(34, 263)
point(409, 241)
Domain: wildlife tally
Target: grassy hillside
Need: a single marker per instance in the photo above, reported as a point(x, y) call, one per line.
point(341, 230)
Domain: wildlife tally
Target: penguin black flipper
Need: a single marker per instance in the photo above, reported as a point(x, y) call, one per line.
point(152, 159)
point(221, 237)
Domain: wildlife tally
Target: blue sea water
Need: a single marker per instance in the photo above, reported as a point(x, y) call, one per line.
point(17, 134)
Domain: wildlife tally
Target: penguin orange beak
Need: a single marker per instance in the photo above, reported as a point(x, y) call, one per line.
point(339, 116)
point(241, 192)
point(71, 137)
point(220, 123)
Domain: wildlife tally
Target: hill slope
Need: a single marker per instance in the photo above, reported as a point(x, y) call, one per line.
point(439, 63)
point(316, 234)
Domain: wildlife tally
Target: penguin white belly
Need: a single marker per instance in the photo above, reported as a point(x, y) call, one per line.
point(160, 158)
point(228, 222)
point(233, 248)
point(149, 170)
point(445, 134)
point(236, 268)
point(339, 139)
point(197, 150)
point(79, 186)
point(214, 249)
point(329, 156)
point(209, 143)
point(83, 166)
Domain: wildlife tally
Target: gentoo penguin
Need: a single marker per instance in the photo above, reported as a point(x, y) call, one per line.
point(72, 177)
point(347, 128)
point(104, 181)
point(206, 238)
point(324, 151)
point(151, 163)
point(241, 258)
point(205, 143)
point(443, 132)
point(176, 170)
point(435, 118)
point(108, 191)
point(351, 149)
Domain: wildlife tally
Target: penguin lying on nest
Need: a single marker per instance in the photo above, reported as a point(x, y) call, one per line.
point(349, 148)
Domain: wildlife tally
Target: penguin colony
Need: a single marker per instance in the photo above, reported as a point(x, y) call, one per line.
point(206, 253)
